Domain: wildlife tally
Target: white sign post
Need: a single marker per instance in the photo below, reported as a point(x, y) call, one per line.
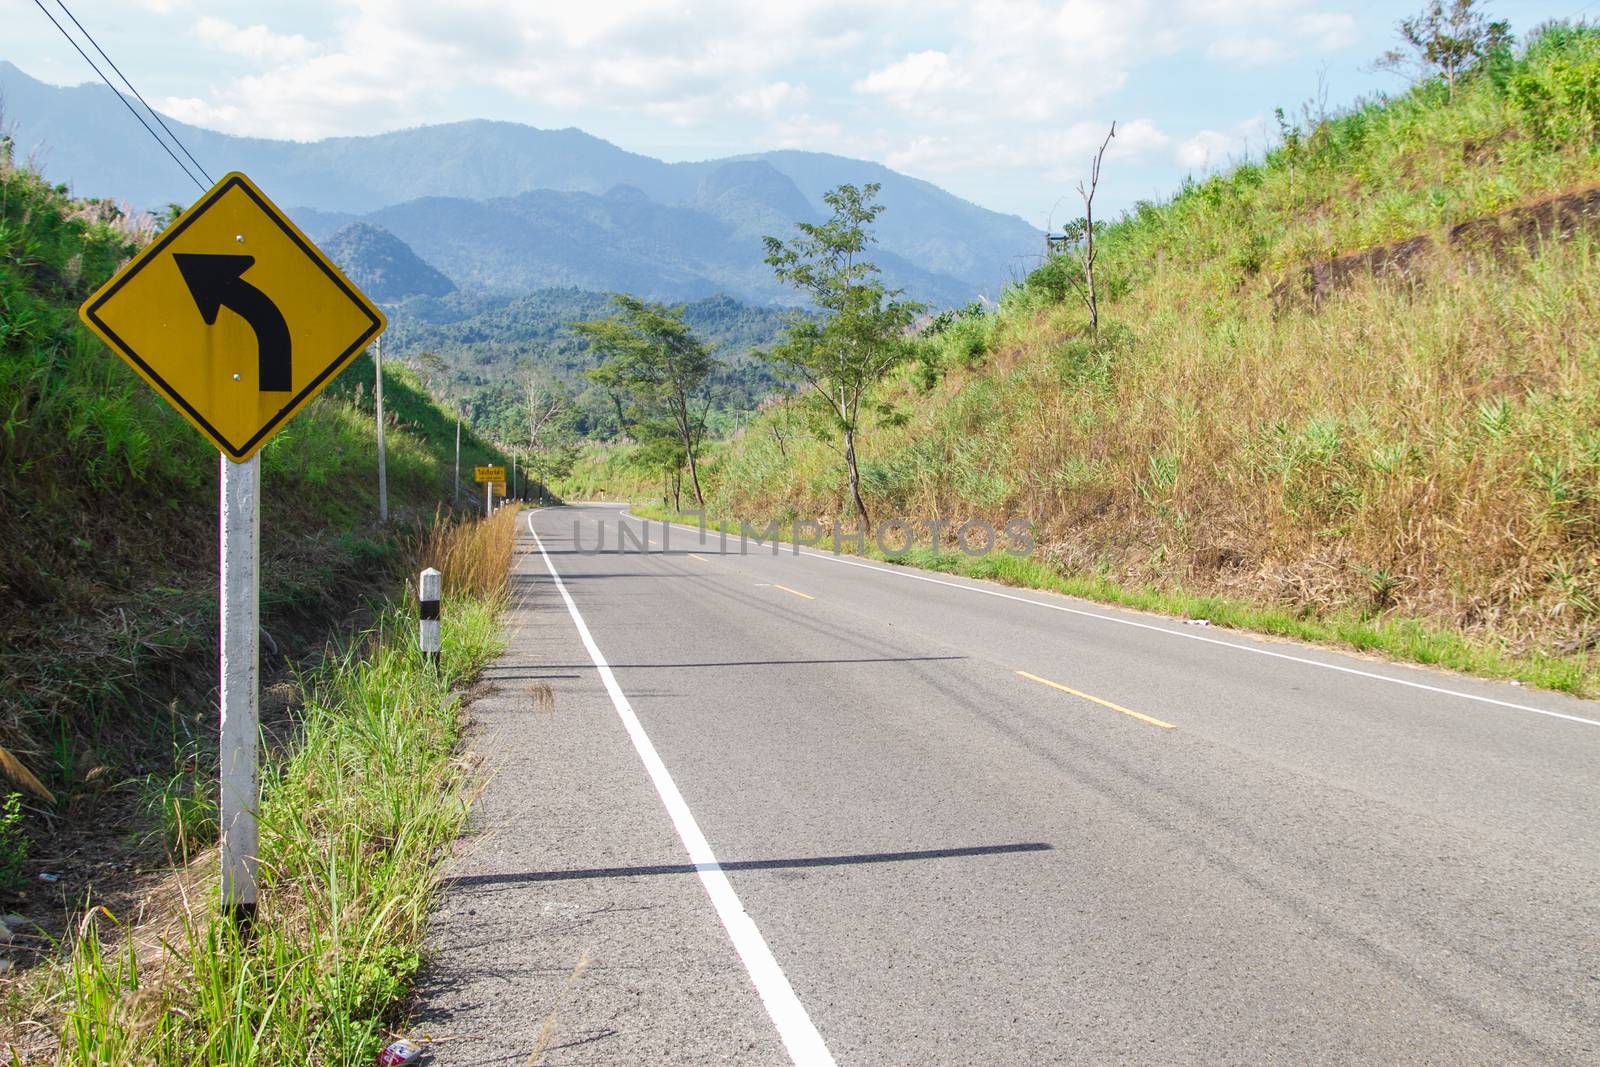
point(241, 670)
point(383, 475)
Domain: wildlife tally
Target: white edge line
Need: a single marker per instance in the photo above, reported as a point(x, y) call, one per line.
point(903, 572)
point(800, 1036)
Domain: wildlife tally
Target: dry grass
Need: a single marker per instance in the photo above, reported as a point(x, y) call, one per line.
point(473, 557)
point(1424, 450)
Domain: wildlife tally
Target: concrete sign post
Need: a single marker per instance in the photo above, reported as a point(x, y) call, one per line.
point(239, 698)
point(238, 321)
point(383, 474)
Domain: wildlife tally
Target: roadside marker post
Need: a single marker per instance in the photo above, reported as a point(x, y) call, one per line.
point(293, 323)
point(428, 638)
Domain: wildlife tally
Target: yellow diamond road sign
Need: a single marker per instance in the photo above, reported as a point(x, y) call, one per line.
point(234, 316)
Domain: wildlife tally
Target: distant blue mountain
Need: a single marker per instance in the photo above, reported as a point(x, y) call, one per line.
point(512, 208)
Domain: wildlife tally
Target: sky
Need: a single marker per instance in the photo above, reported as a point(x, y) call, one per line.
point(1003, 102)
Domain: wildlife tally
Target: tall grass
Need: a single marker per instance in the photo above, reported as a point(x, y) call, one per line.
point(1417, 454)
point(472, 556)
point(354, 826)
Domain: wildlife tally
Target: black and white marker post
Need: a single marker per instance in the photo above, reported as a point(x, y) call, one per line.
point(428, 613)
point(239, 698)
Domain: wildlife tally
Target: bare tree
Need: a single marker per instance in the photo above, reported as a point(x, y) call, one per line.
point(552, 443)
point(545, 406)
point(1089, 295)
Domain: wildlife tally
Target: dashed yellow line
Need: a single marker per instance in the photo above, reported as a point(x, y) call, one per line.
point(1096, 700)
point(796, 592)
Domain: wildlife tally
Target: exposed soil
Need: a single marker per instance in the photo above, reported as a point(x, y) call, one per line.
point(1529, 227)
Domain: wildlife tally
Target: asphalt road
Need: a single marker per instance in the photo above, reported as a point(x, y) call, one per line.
point(818, 809)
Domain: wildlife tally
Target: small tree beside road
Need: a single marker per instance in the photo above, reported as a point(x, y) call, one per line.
point(647, 352)
point(859, 333)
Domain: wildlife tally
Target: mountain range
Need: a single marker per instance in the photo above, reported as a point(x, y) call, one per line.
point(509, 208)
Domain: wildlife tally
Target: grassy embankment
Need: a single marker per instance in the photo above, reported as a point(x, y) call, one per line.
point(355, 822)
point(1407, 464)
point(108, 527)
point(108, 644)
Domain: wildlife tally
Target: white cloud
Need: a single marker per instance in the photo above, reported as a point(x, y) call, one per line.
point(1212, 149)
point(256, 43)
point(773, 99)
point(913, 78)
point(1328, 30)
point(986, 92)
point(1248, 51)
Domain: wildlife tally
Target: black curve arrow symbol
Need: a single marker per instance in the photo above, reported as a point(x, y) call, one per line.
point(216, 282)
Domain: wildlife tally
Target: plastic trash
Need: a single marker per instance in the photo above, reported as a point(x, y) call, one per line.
point(1197, 622)
point(400, 1053)
point(46, 876)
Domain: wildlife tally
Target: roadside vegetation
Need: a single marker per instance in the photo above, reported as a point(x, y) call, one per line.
point(1349, 392)
point(108, 570)
point(357, 817)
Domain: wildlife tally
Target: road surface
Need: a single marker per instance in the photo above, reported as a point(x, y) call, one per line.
point(815, 809)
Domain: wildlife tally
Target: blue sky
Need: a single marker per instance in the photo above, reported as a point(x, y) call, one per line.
point(999, 101)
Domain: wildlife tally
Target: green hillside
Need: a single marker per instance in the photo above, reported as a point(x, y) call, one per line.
point(108, 517)
point(383, 265)
point(1397, 449)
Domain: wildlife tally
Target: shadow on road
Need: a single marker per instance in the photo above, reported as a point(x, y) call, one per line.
point(470, 880)
point(488, 671)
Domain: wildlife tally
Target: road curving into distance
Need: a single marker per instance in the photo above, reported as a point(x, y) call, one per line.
point(808, 809)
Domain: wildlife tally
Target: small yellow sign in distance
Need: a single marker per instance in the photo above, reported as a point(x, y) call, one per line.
point(490, 474)
point(234, 316)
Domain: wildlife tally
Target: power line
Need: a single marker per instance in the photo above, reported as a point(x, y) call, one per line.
point(153, 112)
point(164, 146)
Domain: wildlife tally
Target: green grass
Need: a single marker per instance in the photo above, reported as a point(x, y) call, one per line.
point(1410, 467)
point(108, 526)
point(354, 827)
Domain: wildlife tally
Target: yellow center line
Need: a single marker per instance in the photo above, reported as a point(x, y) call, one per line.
point(796, 592)
point(1097, 700)
point(702, 559)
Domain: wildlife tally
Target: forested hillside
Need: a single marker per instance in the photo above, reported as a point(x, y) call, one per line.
point(486, 351)
point(1348, 392)
point(623, 240)
point(382, 265)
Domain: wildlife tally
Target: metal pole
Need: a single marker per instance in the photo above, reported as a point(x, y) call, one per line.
point(488, 499)
point(513, 475)
point(240, 669)
point(383, 474)
point(457, 495)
